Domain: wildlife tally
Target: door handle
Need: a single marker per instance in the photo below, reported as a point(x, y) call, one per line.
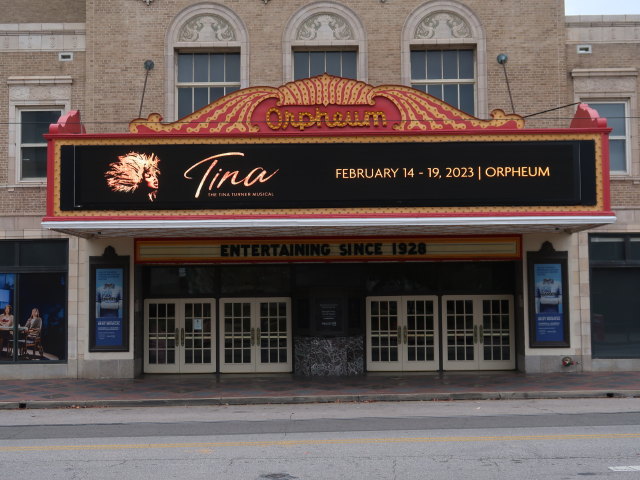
point(399, 335)
point(475, 334)
point(481, 334)
point(253, 336)
point(177, 336)
point(406, 335)
point(182, 335)
point(258, 336)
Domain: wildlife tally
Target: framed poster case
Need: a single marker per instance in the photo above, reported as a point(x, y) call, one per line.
point(109, 303)
point(548, 298)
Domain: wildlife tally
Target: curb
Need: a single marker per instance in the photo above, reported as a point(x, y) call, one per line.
point(299, 399)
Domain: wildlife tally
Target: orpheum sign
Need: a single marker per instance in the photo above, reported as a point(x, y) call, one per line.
point(324, 145)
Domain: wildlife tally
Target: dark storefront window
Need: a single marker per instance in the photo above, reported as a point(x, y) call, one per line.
point(615, 303)
point(216, 281)
point(253, 280)
point(440, 278)
point(33, 299)
point(329, 299)
point(192, 281)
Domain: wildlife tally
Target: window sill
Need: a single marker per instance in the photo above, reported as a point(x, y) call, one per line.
point(26, 185)
point(624, 177)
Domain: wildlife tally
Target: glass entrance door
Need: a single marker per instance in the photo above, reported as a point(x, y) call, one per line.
point(256, 335)
point(478, 332)
point(402, 333)
point(179, 336)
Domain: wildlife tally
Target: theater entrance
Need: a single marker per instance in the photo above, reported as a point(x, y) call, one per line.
point(178, 336)
point(459, 332)
point(334, 318)
point(255, 335)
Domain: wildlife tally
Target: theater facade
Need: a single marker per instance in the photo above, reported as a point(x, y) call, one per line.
point(329, 227)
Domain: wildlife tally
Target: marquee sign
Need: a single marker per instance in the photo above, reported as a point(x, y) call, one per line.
point(327, 249)
point(327, 146)
point(398, 172)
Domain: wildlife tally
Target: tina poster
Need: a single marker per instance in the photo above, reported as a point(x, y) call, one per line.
point(109, 313)
point(548, 309)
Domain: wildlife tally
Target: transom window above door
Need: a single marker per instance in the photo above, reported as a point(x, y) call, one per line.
point(203, 78)
point(338, 63)
point(446, 74)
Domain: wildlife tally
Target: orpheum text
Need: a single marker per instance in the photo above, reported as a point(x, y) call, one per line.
point(281, 119)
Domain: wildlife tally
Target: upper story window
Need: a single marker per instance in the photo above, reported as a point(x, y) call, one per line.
point(324, 38)
point(446, 74)
point(613, 93)
point(617, 119)
point(207, 58)
point(33, 146)
point(35, 102)
point(205, 77)
point(444, 54)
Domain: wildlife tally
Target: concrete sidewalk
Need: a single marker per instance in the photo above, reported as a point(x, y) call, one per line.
point(152, 390)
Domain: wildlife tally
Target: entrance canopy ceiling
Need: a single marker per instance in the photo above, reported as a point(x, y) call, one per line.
point(328, 156)
point(329, 227)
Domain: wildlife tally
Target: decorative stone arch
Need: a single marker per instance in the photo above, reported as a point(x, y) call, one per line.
point(204, 26)
point(447, 23)
point(324, 24)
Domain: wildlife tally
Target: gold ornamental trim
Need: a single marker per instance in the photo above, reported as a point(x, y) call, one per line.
point(409, 110)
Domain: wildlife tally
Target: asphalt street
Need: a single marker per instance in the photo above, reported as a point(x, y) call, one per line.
point(521, 439)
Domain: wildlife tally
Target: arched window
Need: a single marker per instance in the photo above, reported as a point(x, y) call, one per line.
point(324, 37)
point(207, 57)
point(444, 54)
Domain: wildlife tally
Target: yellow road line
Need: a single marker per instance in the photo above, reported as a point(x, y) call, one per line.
point(347, 441)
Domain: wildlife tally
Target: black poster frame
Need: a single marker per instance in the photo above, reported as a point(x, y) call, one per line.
point(109, 264)
point(548, 329)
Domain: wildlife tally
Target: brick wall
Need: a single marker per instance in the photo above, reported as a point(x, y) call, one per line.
point(42, 11)
point(136, 32)
point(613, 62)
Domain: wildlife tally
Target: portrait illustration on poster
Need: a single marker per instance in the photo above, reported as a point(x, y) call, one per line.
point(548, 288)
point(548, 302)
point(109, 303)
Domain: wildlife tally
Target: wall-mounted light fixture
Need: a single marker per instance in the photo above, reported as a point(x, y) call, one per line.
point(502, 60)
point(148, 66)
